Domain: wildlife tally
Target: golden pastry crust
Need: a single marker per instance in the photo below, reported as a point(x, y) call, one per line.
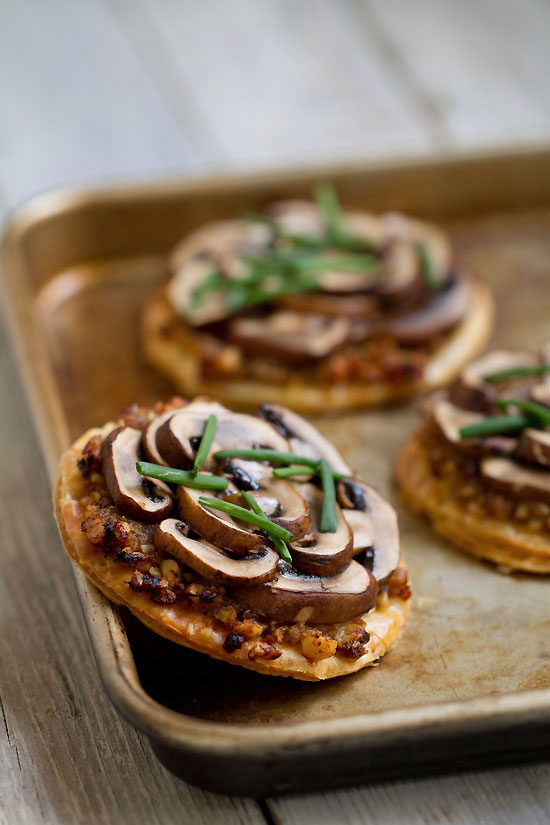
point(497, 540)
point(169, 347)
point(184, 625)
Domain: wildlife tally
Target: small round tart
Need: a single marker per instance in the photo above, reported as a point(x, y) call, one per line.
point(479, 465)
point(200, 574)
point(315, 307)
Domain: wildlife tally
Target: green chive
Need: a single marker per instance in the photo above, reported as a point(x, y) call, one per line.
point(517, 372)
point(206, 442)
point(329, 206)
point(538, 411)
point(286, 472)
point(494, 426)
point(328, 512)
point(265, 524)
point(266, 454)
point(428, 270)
point(279, 544)
point(185, 478)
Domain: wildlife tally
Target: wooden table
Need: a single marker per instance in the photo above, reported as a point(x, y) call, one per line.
point(124, 89)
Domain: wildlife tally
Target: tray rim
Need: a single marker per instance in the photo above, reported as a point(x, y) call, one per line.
point(107, 634)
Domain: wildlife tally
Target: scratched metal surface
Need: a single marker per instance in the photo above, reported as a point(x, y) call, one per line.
point(472, 631)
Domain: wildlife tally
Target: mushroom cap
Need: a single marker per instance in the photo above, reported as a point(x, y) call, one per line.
point(149, 438)
point(217, 527)
point(322, 554)
point(509, 477)
point(296, 598)
point(293, 336)
point(214, 564)
point(134, 494)
point(235, 430)
point(304, 438)
point(471, 392)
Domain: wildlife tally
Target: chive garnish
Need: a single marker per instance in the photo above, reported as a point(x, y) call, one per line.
point(279, 544)
point(267, 454)
point(286, 472)
point(428, 270)
point(328, 512)
point(531, 408)
point(494, 426)
point(329, 206)
point(184, 478)
point(517, 372)
point(206, 442)
point(241, 513)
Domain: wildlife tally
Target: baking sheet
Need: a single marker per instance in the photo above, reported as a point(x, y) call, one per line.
point(473, 631)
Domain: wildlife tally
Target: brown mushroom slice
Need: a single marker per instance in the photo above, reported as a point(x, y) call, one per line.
point(212, 563)
point(471, 392)
point(178, 438)
point(291, 597)
point(149, 438)
point(280, 500)
point(138, 497)
point(293, 336)
point(510, 478)
point(215, 247)
point(445, 310)
point(217, 527)
point(304, 438)
point(435, 242)
point(402, 280)
point(322, 554)
point(297, 217)
point(534, 445)
point(450, 419)
point(373, 522)
point(356, 306)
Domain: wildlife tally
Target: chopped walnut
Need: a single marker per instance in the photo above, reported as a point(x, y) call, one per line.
point(263, 650)
point(398, 585)
point(90, 460)
point(316, 646)
point(248, 629)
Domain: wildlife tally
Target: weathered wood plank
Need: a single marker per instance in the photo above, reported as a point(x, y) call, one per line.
point(276, 83)
point(500, 797)
point(77, 105)
point(65, 754)
point(484, 65)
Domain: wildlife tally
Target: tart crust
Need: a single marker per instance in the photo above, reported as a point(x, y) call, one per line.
point(499, 541)
point(169, 347)
point(179, 622)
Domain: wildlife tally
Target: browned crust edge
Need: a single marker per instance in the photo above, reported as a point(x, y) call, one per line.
point(175, 359)
point(186, 627)
point(488, 538)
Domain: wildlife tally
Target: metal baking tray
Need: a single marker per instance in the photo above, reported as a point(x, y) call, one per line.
point(469, 682)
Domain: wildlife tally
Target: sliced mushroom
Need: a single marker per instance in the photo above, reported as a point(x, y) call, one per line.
point(373, 524)
point(215, 247)
point(434, 240)
point(296, 598)
point(534, 445)
point(293, 336)
point(212, 563)
point(402, 281)
point(304, 438)
point(217, 527)
point(471, 392)
point(282, 502)
point(512, 479)
point(149, 438)
point(179, 437)
point(297, 217)
point(450, 419)
point(322, 554)
point(445, 310)
point(356, 306)
point(135, 495)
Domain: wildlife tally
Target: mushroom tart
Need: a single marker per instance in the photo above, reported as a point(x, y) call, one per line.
point(315, 307)
point(479, 466)
point(248, 538)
